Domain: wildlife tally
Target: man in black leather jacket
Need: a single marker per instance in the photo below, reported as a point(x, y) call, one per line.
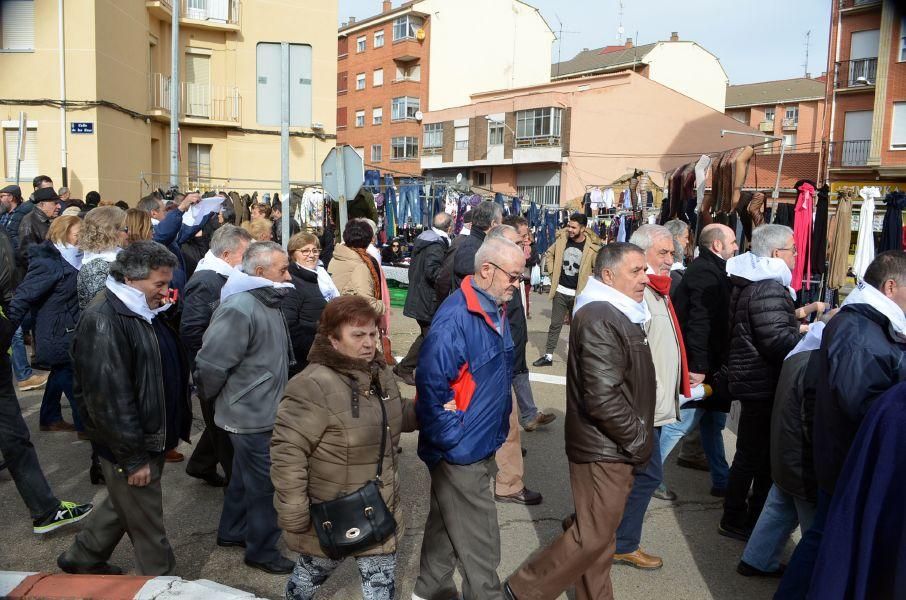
point(132, 385)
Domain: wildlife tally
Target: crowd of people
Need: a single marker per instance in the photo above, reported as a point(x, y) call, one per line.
point(135, 312)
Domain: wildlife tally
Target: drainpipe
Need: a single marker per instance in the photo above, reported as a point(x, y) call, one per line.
point(174, 96)
point(63, 140)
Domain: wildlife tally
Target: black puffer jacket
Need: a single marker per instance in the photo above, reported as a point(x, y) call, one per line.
point(119, 385)
point(201, 297)
point(792, 422)
point(859, 362)
point(427, 257)
point(302, 308)
point(49, 289)
point(763, 330)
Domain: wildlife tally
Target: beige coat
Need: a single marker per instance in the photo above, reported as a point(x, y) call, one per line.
point(353, 277)
point(321, 449)
point(553, 259)
point(665, 352)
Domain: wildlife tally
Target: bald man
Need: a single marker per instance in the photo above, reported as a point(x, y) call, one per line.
point(702, 303)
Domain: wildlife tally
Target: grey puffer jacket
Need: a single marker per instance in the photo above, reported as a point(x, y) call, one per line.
point(244, 361)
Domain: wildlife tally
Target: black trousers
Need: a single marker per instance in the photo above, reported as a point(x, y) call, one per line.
point(212, 447)
point(407, 365)
point(751, 467)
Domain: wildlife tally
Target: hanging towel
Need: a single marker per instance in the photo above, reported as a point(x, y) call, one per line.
point(802, 235)
point(892, 232)
point(865, 246)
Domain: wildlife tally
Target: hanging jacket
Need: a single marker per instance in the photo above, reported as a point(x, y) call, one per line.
point(865, 245)
point(819, 233)
point(892, 232)
point(839, 249)
point(802, 236)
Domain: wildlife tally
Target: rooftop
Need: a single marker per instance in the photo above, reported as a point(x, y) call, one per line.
point(601, 59)
point(774, 92)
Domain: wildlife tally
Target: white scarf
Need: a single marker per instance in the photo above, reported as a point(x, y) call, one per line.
point(70, 254)
point(867, 294)
point(108, 255)
point(209, 262)
point(239, 282)
point(155, 222)
point(328, 289)
point(761, 268)
point(810, 341)
point(597, 291)
point(134, 300)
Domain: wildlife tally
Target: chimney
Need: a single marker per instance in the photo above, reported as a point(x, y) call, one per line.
point(674, 36)
point(388, 6)
point(629, 42)
point(351, 20)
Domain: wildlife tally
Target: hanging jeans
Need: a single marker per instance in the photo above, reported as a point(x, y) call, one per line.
point(533, 215)
point(373, 181)
point(409, 206)
point(426, 205)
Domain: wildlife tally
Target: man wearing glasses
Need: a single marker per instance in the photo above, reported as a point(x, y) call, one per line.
point(466, 357)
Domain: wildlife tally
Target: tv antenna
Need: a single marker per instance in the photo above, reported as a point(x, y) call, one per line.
point(560, 33)
point(620, 30)
point(808, 36)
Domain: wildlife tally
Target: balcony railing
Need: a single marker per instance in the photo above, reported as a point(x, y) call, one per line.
point(790, 123)
point(216, 103)
point(852, 153)
point(844, 4)
point(539, 141)
point(223, 12)
point(433, 151)
point(855, 73)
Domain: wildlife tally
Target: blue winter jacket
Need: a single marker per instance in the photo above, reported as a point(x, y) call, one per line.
point(463, 358)
point(172, 233)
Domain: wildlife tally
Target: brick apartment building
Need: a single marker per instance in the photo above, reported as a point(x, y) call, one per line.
point(420, 56)
point(865, 123)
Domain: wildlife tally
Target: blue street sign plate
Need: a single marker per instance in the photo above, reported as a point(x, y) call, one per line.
point(81, 127)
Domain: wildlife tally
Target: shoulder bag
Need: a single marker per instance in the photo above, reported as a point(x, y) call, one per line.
point(353, 523)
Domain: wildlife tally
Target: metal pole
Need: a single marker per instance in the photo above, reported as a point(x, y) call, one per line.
point(341, 186)
point(174, 96)
point(284, 142)
point(776, 193)
point(20, 147)
point(63, 141)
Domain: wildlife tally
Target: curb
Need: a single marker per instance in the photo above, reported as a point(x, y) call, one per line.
point(21, 585)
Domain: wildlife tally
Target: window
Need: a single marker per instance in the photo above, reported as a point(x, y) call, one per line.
point(360, 118)
point(495, 133)
point(461, 138)
point(360, 81)
point(548, 195)
point(898, 127)
point(361, 43)
point(434, 135)
point(792, 113)
point(403, 148)
point(769, 114)
point(903, 40)
point(198, 85)
point(404, 108)
point(342, 47)
point(404, 27)
point(342, 82)
point(377, 78)
point(789, 140)
point(199, 164)
point(268, 90)
point(377, 153)
point(379, 41)
point(377, 116)
point(341, 117)
point(408, 71)
point(17, 25)
point(538, 123)
point(481, 178)
point(29, 167)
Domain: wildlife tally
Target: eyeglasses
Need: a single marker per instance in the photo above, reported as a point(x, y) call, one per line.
point(394, 245)
point(791, 248)
point(510, 276)
point(310, 251)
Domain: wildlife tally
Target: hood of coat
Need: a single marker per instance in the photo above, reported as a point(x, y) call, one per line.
point(752, 268)
point(428, 237)
point(323, 353)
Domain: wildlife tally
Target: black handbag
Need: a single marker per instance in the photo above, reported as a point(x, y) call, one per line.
point(355, 522)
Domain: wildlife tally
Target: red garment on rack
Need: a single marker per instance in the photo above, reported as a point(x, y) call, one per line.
point(802, 236)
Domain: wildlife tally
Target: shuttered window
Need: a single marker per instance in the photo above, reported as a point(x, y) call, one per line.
point(30, 164)
point(198, 85)
point(898, 131)
point(17, 25)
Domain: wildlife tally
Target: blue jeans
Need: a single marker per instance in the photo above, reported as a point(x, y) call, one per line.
point(59, 382)
point(18, 452)
point(798, 575)
point(248, 504)
point(712, 424)
point(372, 181)
point(524, 398)
point(20, 357)
point(629, 533)
point(409, 198)
point(779, 517)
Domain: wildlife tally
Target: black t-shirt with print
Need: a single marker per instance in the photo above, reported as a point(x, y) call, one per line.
point(569, 269)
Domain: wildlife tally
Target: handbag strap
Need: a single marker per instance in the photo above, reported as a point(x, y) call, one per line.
point(384, 426)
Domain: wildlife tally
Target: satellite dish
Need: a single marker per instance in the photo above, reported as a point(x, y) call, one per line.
point(420, 35)
point(419, 115)
point(459, 178)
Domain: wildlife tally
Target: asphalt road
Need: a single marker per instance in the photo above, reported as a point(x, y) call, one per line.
point(698, 563)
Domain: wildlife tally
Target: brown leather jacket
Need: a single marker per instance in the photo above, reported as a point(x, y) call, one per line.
point(610, 388)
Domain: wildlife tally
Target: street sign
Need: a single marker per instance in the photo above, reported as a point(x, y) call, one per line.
point(81, 127)
point(342, 176)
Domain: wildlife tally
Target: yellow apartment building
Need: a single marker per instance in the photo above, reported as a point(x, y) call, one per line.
point(117, 66)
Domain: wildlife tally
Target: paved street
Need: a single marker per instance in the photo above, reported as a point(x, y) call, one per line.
point(698, 563)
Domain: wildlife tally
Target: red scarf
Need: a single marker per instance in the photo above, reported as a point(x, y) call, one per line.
point(661, 285)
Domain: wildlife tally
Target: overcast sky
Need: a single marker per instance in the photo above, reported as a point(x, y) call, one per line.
point(755, 40)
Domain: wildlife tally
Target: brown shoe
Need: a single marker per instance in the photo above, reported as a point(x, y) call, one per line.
point(540, 419)
point(35, 382)
point(58, 426)
point(523, 496)
point(173, 456)
point(639, 560)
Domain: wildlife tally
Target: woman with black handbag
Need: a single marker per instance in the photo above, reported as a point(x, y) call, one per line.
point(334, 459)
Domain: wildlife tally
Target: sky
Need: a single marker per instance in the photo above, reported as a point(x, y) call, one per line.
point(755, 40)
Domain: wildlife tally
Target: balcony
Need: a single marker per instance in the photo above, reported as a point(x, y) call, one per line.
point(766, 126)
point(853, 153)
point(858, 5)
point(855, 74)
point(434, 151)
point(222, 15)
point(790, 124)
point(210, 105)
point(538, 142)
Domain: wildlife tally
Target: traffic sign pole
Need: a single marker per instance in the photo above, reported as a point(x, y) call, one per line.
point(341, 185)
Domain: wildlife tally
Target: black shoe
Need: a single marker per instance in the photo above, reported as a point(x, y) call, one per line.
point(230, 543)
point(66, 514)
point(281, 566)
point(214, 479)
point(747, 570)
point(664, 493)
point(98, 569)
point(692, 464)
point(719, 492)
point(543, 362)
point(737, 533)
point(96, 475)
point(523, 496)
point(524, 452)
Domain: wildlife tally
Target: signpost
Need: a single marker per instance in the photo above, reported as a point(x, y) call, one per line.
point(342, 175)
point(81, 127)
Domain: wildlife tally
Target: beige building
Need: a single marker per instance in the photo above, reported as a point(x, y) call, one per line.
point(117, 71)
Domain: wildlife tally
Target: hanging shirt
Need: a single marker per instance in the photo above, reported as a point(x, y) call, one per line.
point(569, 268)
point(865, 245)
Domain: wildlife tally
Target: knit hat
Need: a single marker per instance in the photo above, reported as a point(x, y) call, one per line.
point(46, 195)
